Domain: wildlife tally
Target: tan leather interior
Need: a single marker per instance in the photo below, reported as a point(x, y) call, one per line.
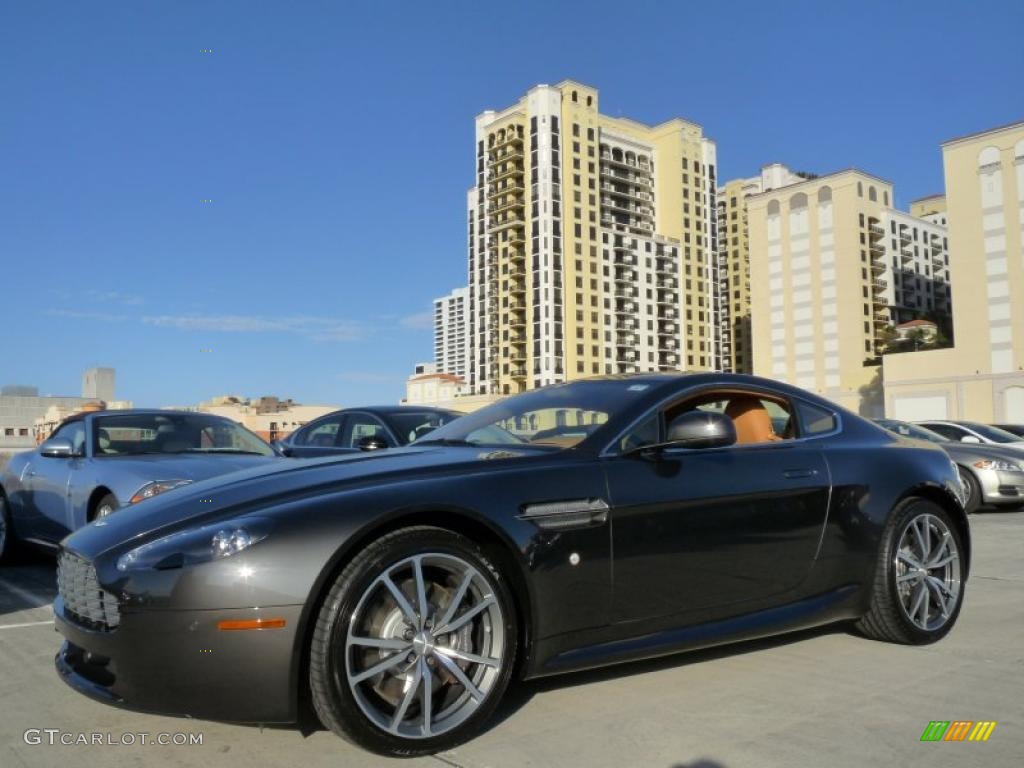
point(751, 419)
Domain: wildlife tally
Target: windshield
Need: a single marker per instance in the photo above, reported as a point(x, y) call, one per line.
point(559, 416)
point(413, 424)
point(995, 434)
point(147, 433)
point(912, 430)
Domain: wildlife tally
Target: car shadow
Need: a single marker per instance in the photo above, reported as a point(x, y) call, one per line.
point(29, 581)
point(520, 693)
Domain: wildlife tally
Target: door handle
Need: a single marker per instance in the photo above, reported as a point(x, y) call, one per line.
point(795, 474)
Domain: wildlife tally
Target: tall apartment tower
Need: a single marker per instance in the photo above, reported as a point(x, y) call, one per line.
point(450, 332)
point(736, 353)
point(98, 383)
point(833, 267)
point(590, 244)
point(981, 377)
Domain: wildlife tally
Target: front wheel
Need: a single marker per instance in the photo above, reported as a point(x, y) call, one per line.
point(919, 578)
point(972, 490)
point(6, 532)
point(414, 645)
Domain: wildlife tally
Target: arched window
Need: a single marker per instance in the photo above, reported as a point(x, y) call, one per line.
point(860, 189)
point(590, 101)
point(773, 207)
point(574, 96)
point(799, 200)
point(988, 156)
point(825, 195)
point(872, 194)
point(885, 197)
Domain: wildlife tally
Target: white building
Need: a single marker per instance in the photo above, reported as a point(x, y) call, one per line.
point(916, 261)
point(450, 332)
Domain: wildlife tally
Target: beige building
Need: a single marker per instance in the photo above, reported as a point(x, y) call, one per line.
point(443, 390)
point(590, 244)
point(269, 417)
point(982, 376)
point(931, 208)
point(816, 299)
point(735, 348)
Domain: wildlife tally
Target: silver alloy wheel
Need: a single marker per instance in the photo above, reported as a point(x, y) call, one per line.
point(425, 645)
point(927, 567)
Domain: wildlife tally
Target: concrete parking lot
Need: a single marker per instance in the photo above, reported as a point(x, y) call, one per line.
point(817, 698)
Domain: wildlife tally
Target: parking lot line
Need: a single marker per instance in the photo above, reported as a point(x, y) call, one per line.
point(26, 624)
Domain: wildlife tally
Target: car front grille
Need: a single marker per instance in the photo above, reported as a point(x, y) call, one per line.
point(84, 600)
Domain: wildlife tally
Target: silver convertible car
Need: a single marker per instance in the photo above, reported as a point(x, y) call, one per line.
point(96, 463)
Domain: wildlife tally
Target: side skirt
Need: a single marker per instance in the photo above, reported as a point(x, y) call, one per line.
point(827, 608)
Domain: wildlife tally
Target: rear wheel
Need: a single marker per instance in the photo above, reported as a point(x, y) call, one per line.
point(972, 490)
point(415, 644)
point(918, 587)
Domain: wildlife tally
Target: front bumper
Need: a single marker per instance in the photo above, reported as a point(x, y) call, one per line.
point(999, 487)
point(176, 662)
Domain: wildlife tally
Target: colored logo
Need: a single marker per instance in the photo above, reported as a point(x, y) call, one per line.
point(958, 730)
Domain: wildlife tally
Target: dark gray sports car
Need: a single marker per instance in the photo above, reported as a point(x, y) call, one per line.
point(564, 528)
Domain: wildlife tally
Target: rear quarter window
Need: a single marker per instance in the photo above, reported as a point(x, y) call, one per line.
point(815, 420)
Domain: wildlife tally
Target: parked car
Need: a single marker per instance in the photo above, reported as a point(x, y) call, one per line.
point(97, 463)
point(564, 528)
point(1013, 429)
point(991, 474)
point(364, 429)
point(975, 432)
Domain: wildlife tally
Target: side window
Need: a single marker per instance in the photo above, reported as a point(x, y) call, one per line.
point(757, 418)
point(360, 426)
point(946, 430)
point(815, 420)
point(323, 434)
point(75, 432)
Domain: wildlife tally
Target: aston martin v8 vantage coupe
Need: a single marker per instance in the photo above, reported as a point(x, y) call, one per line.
point(568, 527)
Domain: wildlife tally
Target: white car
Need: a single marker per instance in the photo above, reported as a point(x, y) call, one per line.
point(973, 432)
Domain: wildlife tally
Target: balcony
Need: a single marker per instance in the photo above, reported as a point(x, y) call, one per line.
point(510, 188)
point(505, 172)
point(512, 138)
point(906, 255)
point(876, 229)
point(625, 275)
point(877, 266)
point(625, 293)
point(879, 284)
point(904, 235)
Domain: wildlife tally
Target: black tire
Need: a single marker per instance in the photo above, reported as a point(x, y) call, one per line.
point(886, 618)
point(973, 488)
point(107, 502)
point(333, 700)
point(8, 545)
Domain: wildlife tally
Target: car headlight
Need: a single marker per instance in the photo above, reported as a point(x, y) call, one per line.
point(999, 464)
point(196, 545)
point(155, 488)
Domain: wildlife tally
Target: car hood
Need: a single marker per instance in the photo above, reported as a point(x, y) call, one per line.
point(184, 466)
point(276, 481)
point(968, 453)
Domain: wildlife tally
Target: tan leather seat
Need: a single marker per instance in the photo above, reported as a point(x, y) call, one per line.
point(751, 419)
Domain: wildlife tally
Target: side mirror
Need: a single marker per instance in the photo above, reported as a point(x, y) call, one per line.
point(700, 429)
point(57, 448)
point(970, 439)
point(372, 443)
point(281, 447)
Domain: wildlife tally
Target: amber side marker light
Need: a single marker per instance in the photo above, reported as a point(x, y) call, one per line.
point(251, 624)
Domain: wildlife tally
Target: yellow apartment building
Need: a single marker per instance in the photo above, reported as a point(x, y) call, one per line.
point(591, 244)
point(736, 346)
point(982, 376)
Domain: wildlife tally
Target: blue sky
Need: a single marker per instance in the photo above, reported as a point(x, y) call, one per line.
point(335, 142)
